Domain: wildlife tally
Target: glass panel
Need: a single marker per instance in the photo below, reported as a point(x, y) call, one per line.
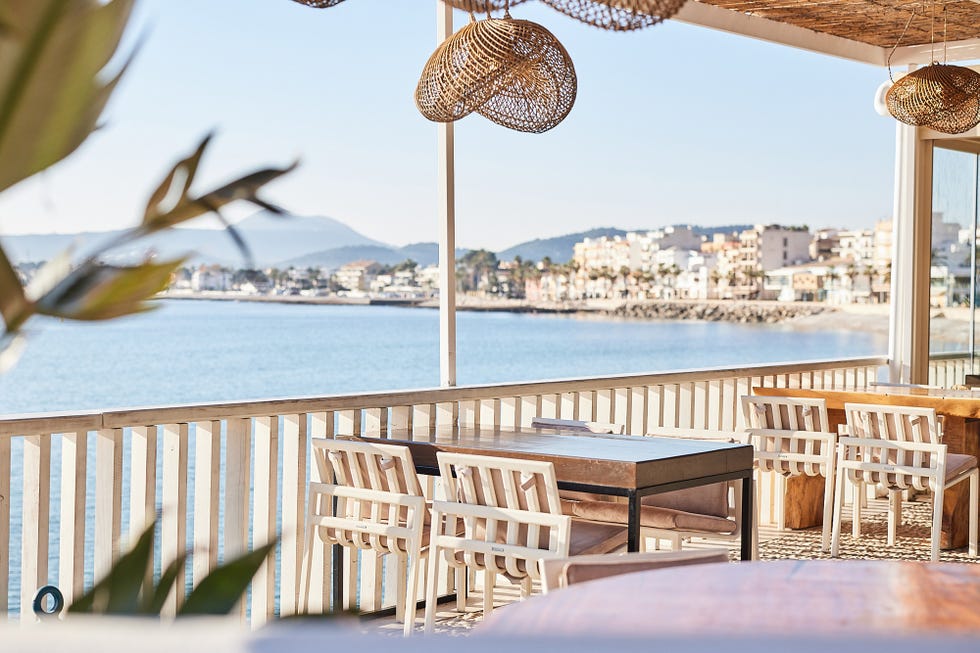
point(952, 325)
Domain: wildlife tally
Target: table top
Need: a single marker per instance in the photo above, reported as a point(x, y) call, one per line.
point(962, 403)
point(825, 597)
point(613, 461)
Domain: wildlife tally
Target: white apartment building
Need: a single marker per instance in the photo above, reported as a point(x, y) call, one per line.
point(597, 253)
point(210, 277)
point(769, 247)
point(357, 275)
point(857, 246)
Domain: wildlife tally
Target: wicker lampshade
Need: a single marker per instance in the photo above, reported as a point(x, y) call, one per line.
point(618, 15)
point(540, 87)
point(319, 4)
point(459, 77)
point(482, 6)
point(943, 97)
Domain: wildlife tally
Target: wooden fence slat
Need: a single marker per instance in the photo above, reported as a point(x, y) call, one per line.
point(638, 412)
point(36, 516)
point(207, 497)
point(510, 412)
point(265, 501)
point(654, 407)
point(530, 408)
point(71, 556)
point(294, 465)
point(108, 498)
point(238, 433)
point(173, 520)
point(4, 522)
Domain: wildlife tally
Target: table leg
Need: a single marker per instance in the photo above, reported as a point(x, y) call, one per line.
point(747, 509)
point(338, 578)
point(633, 523)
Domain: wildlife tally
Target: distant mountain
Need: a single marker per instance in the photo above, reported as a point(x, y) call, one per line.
point(270, 238)
point(559, 249)
point(726, 229)
point(422, 253)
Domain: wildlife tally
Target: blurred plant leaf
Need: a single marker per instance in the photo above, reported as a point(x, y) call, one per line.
point(221, 590)
point(11, 347)
point(153, 602)
point(49, 276)
point(51, 97)
point(14, 305)
point(96, 291)
point(118, 592)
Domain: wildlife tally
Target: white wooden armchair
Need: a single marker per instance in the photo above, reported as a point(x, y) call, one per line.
point(512, 520)
point(792, 437)
point(379, 508)
point(900, 448)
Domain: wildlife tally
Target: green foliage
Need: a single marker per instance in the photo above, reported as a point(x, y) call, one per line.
point(128, 588)
point(53, 56)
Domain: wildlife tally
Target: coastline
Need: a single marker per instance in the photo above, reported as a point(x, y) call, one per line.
point(949, 325)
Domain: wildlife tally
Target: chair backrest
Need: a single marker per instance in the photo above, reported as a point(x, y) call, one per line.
point(794, 453)
point(787, 413)
point(562, 572)
point(897, 446)
point(384, 467)
point(369, 497)
point(577, 425)
point(510, 511)
point(895, 423)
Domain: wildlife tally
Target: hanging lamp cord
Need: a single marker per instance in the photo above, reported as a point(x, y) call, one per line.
point(897, 43)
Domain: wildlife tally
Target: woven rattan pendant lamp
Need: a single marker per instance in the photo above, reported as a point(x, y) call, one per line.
point(940, 96)
point(513, 72)
point(319, 4)
point(540, 88)
point(618, 15)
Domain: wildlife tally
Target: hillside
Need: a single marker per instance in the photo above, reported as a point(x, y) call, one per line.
point(559, 249)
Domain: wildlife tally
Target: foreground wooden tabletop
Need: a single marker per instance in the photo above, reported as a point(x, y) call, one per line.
point(819, 597)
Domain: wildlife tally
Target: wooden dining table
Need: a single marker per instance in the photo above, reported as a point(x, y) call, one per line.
point(618, 465)
point(961, 434)
point(784, 597)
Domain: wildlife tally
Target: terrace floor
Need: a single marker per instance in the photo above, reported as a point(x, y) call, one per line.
point(912, 544)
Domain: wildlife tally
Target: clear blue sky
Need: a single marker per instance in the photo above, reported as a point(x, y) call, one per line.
point(672, 124)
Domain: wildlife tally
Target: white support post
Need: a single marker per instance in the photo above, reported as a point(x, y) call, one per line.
point(447, 226)
point(909, 315)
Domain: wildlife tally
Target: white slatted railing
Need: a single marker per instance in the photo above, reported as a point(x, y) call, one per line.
point(949, 369)
point(225, 477)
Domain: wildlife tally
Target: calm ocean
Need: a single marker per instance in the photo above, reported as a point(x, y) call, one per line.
point(201, 351)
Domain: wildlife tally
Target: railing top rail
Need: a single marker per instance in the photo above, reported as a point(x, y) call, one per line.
point(948, 355)
point(146, 416)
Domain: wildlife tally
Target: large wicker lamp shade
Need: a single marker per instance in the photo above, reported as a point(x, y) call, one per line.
point(319, 4)
point(940, 96)
point(482, 6)
point(618, 15)
point(540, 86)
point(460, 76)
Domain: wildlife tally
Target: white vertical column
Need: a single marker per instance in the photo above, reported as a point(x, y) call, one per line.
point(909, 325)
point(447, 225)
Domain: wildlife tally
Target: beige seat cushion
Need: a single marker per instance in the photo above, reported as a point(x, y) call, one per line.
point(594, 567)
point(650, 517)
point(703, 500)
point(957, 463)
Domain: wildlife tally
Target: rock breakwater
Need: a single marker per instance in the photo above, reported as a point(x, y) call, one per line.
point(743, 312)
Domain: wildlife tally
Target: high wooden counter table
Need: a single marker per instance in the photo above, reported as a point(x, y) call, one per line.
point(803, 598)
point(961, 433)
point(629, 466)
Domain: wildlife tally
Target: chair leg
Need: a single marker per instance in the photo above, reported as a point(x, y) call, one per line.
point(894, 514)
point(828, 513)
point(974, 501)
point(432, 589)
point(462, 589)
point(937, 520)
point(860, 495)
point(780, 502)
point(307, 570)
point(401, 590)
point(838, 513)
point(489, 578)
point(410, 598)
point(526, 587)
